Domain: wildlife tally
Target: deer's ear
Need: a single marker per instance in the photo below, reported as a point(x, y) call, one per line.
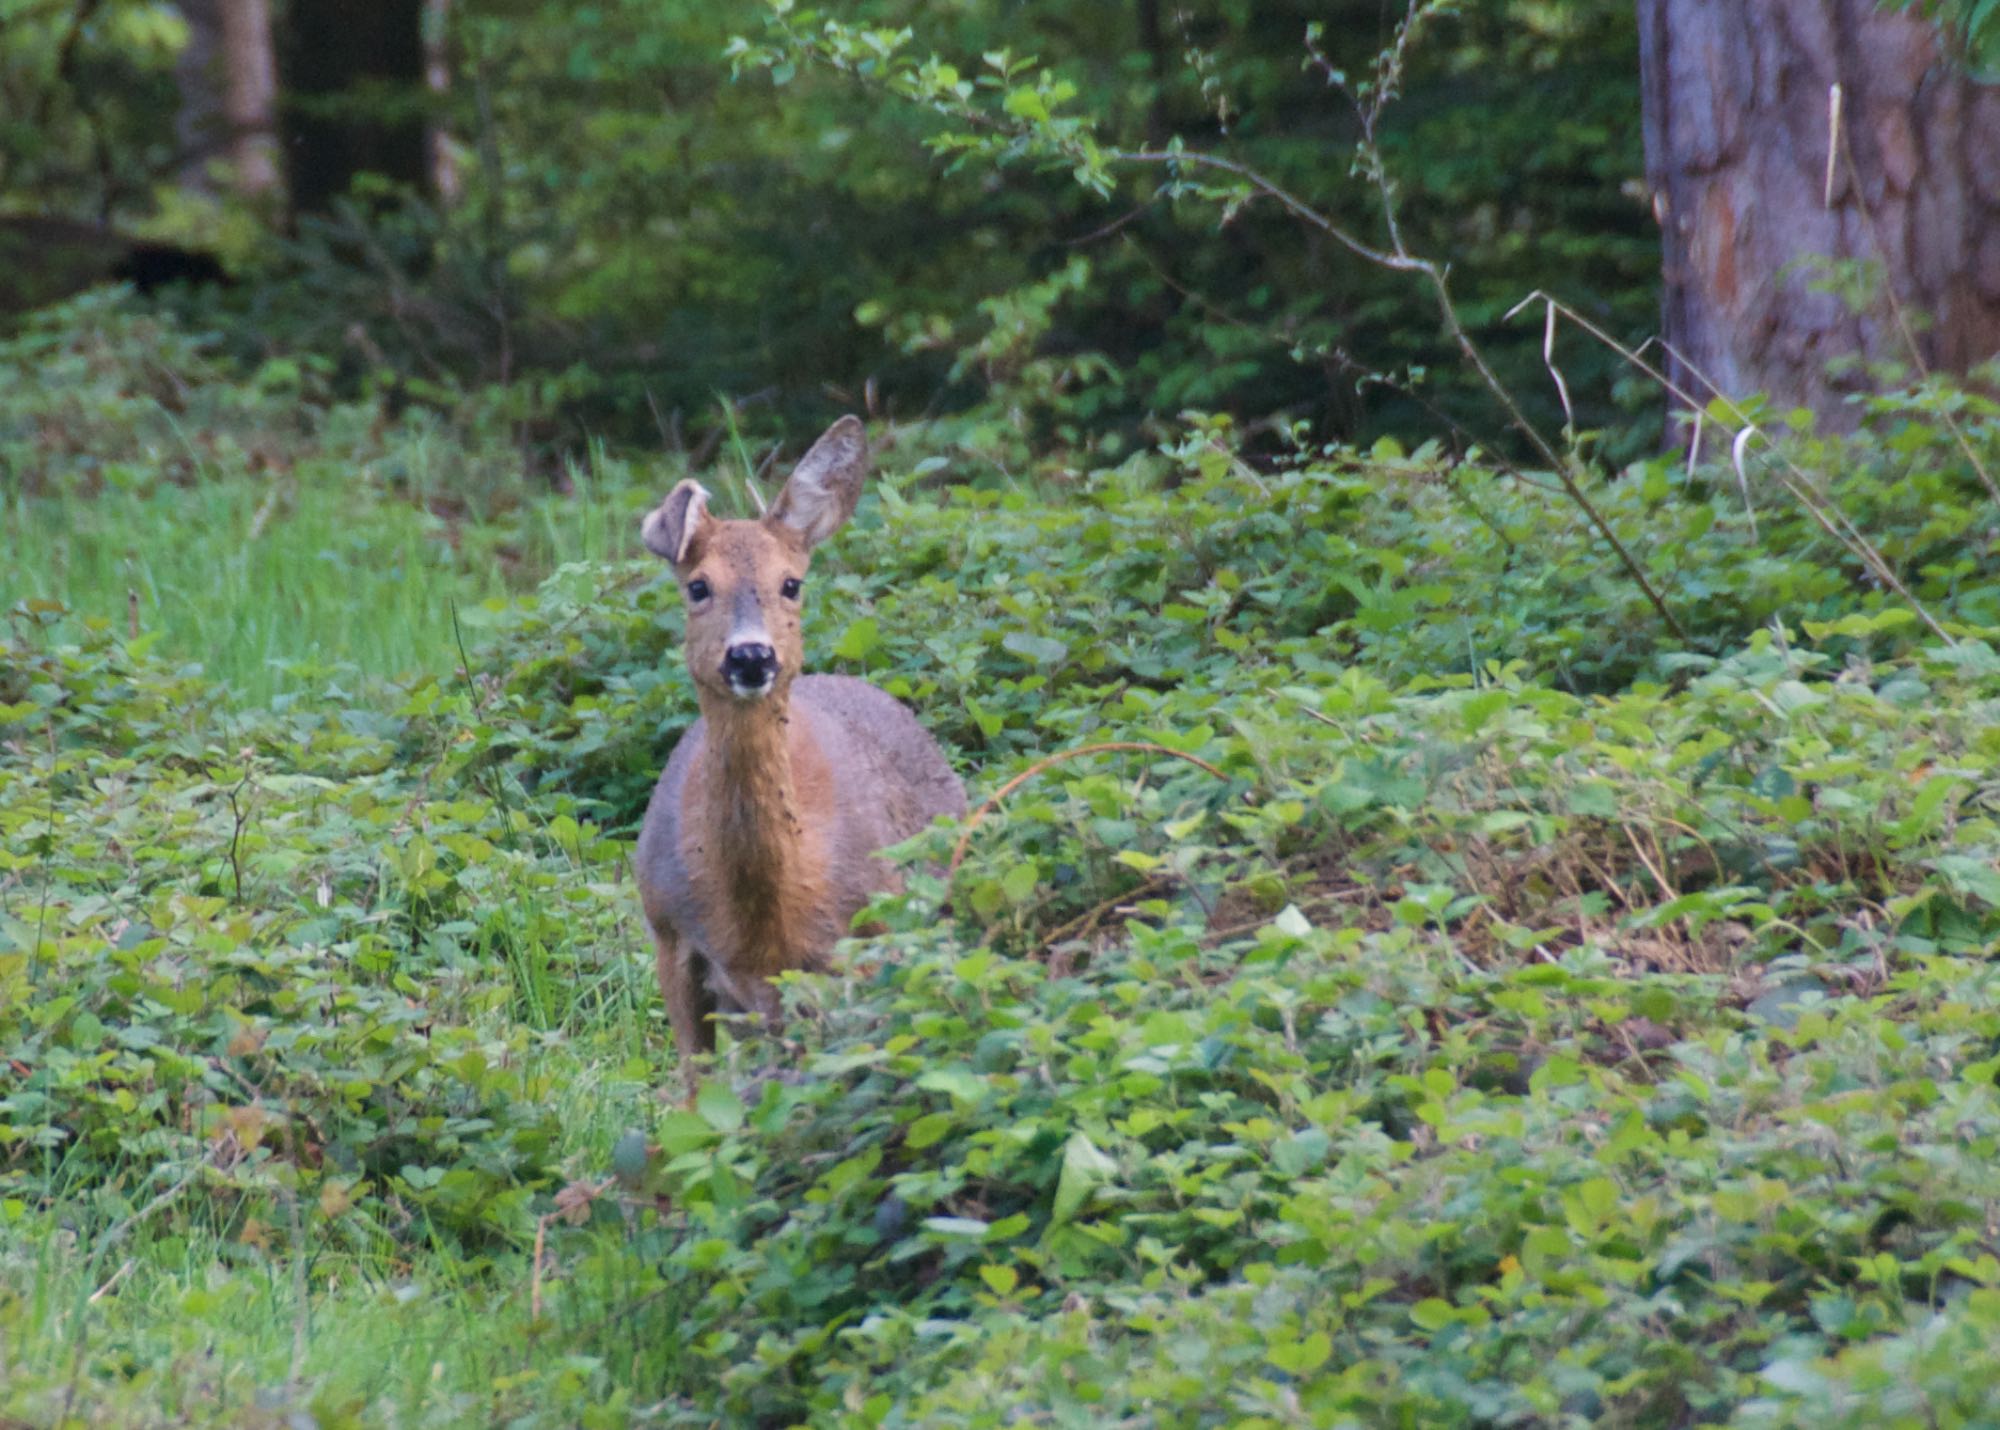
point(825, 485)
point(672, 528)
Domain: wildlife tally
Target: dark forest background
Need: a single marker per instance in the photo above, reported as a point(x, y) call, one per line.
point(581, 201)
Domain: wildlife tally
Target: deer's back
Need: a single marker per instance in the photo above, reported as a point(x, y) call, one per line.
point(892, 777)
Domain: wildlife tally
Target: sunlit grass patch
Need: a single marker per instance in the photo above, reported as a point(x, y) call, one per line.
point(277, 584)
point(257, 523)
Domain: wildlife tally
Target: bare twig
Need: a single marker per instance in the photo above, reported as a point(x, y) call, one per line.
point(301, 1300)
point(1398, 259)
point(1285, 200)
point(1549, 362)
point(1088, 920)
point(1791, 476)
point(240, 813)
point(493, 223)
point(1395, 256)
point(1742, 478)
point(535, 1278)
point(124, 1270)
point(66, 48)
point(48, 857)
point(1107, 230)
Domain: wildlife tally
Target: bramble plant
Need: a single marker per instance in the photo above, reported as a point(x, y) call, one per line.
point(1447, 936)
point(1543, 1019)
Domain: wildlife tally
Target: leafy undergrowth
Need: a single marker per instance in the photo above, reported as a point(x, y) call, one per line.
point(1605, 1036)
point(249, 518)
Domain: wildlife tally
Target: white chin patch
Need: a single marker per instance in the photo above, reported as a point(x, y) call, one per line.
point(750, 692)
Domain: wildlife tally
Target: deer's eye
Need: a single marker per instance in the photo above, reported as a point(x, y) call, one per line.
point(790, 588)
point(697, 591)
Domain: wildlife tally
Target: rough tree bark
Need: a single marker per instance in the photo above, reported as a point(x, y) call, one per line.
point(1737, 134)
point(228, 80)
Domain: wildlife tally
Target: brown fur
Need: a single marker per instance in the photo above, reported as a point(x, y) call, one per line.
point(758, 847)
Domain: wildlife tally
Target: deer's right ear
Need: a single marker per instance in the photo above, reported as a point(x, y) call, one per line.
point(825, 485)
point(671, 528)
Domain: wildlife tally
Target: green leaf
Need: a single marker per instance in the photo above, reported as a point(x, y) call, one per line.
point(1969, 875)
point(961, 1084)
point(628, 1156)
point(1020, 882)
point(859, 640)
point(1290, 921)
point(1480, 708)
point(1084, 1170)
point(719, 1107)
point(1025, 104)
point(957, 1226)
point(1041, 650)
point(928, 1130)
point(1432, 1314)
point(1559, 1071)
point(1301, 1357)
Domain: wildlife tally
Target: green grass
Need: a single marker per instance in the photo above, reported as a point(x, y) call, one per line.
point(490, 1008)
point(277, 586)
point(187, 1315)
point(256, 525)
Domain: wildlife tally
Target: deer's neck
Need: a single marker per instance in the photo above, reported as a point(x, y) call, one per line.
point(766, 870)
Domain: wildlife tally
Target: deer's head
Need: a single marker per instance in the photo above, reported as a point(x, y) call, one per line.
point(743, 582)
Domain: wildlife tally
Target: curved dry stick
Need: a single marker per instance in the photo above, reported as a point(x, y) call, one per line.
point(993, 800)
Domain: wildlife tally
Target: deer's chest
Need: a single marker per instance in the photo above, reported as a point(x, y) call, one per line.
point(760, 864)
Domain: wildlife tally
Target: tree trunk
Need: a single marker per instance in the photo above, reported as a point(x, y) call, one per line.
point(228, 79)
point(355, 99)
point(198, 76)
point(437, 78)
point(1736, 101)
point(250, 96)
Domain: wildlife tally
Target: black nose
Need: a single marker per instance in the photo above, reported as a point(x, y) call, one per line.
point(750, 665)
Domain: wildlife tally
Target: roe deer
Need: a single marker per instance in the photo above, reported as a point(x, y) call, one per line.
point(759, 844)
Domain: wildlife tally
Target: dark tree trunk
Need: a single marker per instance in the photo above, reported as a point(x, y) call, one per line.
point(355, 97)
point(1737, 133)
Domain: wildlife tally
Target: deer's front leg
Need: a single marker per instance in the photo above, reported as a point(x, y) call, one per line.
point(688, 1002)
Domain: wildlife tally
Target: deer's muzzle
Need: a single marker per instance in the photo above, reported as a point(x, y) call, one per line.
point(750, 668)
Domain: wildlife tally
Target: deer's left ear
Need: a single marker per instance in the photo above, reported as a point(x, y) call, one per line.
point(671, 529)
point(825, 485)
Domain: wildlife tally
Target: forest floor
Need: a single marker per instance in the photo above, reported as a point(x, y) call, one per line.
point(1547, 1018)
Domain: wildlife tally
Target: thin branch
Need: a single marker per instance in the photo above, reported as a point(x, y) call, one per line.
point(1397, 257)
point(1402, 261)
point(65, 61)
point(1107, 230)
point(1293, 205)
